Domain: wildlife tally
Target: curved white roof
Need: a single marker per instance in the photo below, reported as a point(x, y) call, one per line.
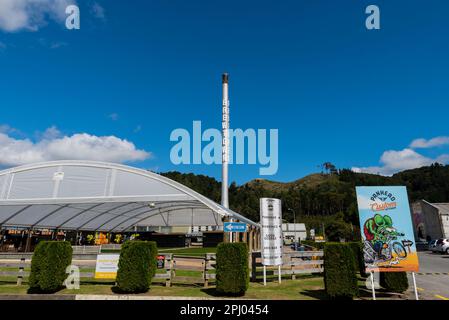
point(97, 196)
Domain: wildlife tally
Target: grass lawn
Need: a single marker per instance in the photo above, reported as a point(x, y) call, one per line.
point(188, 251)
point(301, 289)
point(177, 251)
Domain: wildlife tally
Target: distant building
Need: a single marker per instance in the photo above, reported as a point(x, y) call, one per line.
point(431, 220)
point(177, 229)
point(294, 231)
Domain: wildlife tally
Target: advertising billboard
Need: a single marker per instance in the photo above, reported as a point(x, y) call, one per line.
point(271, 231)
point(107, 266)
point(387, 229)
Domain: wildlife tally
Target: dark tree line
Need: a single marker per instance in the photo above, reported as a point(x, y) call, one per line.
point(332, 194)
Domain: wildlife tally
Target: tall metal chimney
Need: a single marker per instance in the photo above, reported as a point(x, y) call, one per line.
point(225, 142)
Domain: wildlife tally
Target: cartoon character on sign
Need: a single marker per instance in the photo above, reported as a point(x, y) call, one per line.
point(380, 240)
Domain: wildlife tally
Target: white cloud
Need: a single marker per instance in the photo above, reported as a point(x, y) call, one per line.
point(51, 133)
point(30, 15)
point(54, 146)
point(431, 143)
point(394, 161)
point(4, 128)
point(113, 116)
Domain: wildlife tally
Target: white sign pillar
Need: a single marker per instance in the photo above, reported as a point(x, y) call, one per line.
point(271, 234)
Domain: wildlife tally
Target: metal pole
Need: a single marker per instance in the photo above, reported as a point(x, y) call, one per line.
point(372, 285)
point(294, 223)
point(225, 142)
point(414, 285)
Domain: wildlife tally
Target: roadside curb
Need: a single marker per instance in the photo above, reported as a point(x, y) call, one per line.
point(136, 297)
point(80, 297)
point(37, 297)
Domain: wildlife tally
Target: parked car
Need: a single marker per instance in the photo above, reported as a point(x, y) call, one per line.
point(442, 246)
point(433, 245)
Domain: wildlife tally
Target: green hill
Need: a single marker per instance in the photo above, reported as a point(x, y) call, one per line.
point(323, 195)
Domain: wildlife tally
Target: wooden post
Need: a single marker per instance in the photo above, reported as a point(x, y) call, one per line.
point(206, 262)
point(250, 246)
point(226, 235)
point(291, 268)
point(258, 240)
point(168, 270)
point(28, 241)
point(21, 268)
point(253, 267)
point(255, 240)
point(173, 270)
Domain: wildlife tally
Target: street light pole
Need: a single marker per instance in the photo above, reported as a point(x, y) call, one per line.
point(294, 222)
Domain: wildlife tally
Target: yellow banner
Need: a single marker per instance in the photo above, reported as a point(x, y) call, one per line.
point(105, 275)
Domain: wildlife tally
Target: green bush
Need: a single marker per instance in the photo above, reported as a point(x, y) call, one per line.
point(394, 281)
point(340, 278)
point(136, 266)
point(357, 250)
point(232, 271)
point(48, 266)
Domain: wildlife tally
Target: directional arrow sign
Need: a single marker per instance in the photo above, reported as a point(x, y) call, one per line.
point(234, 227)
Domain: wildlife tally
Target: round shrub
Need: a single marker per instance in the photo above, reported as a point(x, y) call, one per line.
point(340, 278)
point(136, 266)
point(232, 271)
point(394, 281)
point(357, 250)
point(48, 266)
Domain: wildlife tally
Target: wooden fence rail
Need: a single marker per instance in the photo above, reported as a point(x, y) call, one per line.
point(294, 263)
point(172, 263)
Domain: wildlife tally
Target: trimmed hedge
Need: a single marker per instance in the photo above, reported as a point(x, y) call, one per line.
point(340, 278)
point(136, 266)
point(232, 270)
point(48, 266)
point(357, 250)
point(394, 281)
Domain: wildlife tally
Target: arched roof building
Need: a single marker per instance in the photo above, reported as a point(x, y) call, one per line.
point(97, 196)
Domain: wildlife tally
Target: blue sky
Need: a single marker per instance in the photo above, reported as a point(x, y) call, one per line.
point(115, 89)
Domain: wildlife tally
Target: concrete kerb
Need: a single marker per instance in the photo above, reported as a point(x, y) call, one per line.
point(137, 297)
point(66, 297)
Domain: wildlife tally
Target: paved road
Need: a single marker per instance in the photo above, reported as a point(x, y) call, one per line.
point(432, 285)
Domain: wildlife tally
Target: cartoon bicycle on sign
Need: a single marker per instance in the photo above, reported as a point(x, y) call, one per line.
point(380, 243)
